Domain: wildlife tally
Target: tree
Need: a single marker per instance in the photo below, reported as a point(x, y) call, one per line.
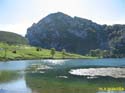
point(4, 47)
point(96, 52)
point(53, 52)
point(92, 53)
point(63, 53)
point(105, 53)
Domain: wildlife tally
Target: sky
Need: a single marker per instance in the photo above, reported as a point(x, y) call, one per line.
point(17, 15)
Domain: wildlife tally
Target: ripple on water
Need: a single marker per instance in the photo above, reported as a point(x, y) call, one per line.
point(55, 62)
point(95, 72)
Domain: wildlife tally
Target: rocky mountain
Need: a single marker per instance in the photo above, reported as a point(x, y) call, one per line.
point(77, 35)
point(12, 38)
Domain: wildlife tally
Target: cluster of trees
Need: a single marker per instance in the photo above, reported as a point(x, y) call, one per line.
point(53, 52)
point(113, 53)
point(100, 53)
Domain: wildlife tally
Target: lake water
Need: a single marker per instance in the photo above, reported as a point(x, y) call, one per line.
point(65, 76)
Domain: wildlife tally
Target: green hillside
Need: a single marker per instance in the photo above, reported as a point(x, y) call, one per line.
point(22, 52)
point(12, 38)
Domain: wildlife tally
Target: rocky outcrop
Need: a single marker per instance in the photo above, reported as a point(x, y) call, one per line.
point(74, 34)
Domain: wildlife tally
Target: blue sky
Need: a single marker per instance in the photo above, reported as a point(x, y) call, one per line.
point(17, 15)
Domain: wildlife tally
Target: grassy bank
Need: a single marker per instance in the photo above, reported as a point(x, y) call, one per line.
point(27, 52)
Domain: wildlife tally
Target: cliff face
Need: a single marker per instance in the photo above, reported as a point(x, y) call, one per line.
point(76, 35)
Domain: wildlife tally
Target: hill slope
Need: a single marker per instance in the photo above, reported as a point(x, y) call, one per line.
point(12, 38)
point(22, 52)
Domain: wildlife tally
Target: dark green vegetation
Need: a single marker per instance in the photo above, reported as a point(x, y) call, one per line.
point(18, 52)
point(101, 53)
point(6, 76)
point(77, 35)
point(12, 38)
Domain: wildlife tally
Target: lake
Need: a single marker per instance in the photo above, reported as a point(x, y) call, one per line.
point(63, 76)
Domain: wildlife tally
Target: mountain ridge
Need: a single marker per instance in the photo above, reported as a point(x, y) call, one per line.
point(75, 34)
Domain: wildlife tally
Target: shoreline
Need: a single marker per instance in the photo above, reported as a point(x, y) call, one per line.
point(55, 59)
point(6, 60)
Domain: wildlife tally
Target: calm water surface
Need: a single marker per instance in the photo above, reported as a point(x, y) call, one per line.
point(65, 76)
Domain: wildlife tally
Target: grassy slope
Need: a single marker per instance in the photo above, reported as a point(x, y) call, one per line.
point(27, 52)
point(12, 38)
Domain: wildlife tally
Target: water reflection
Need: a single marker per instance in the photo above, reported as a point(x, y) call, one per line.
point(55, 62)
point(15, 86)
point(52, 76)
